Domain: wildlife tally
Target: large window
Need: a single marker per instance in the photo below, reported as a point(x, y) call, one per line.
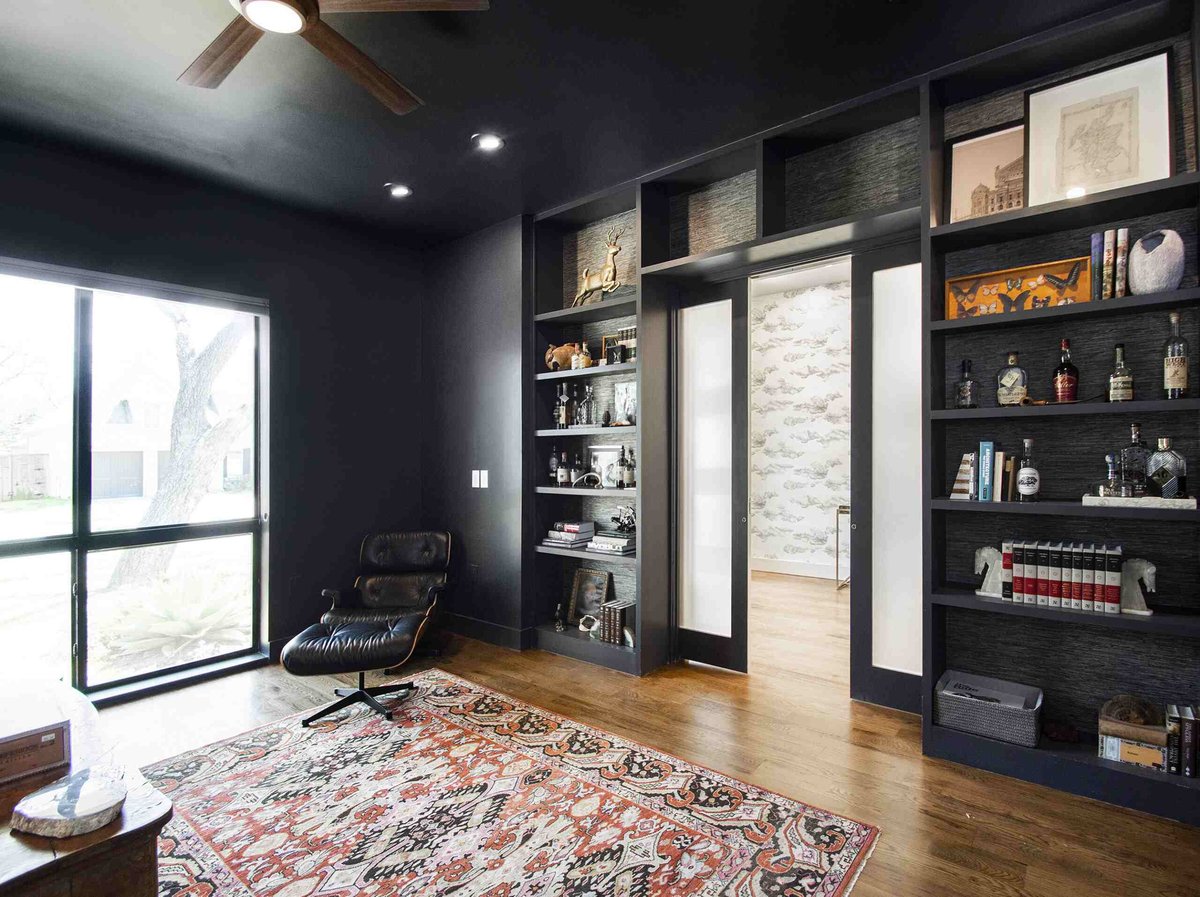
point(130, 536)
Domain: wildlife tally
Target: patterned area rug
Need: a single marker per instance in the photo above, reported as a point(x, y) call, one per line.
point(474, 794)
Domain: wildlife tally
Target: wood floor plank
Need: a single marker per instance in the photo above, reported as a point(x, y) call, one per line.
point(789, 725)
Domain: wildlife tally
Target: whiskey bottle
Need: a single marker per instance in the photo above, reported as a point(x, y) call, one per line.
point(966, 391)
point(1029, 481)
point(1066, 376)
point(576, 469)
point(1175, 362)
point(621, 462)
point(585, 356)
point(553, 465)
point(627, 476)
point(1167, 471)
point(564, 471)
point(1133, 457)
point(1011, 382)
point(1120, 381)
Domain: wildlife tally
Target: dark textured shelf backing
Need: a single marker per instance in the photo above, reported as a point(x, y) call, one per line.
point(720, 214)
point(1078, 668)
point(1009, 104)
point(1092, 345)
point(853, 176)
point(1173, 548)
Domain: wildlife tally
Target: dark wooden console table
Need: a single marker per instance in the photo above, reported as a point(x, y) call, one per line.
point(119, 860)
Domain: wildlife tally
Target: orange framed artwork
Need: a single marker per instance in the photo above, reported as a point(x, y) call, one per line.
point(1047, 285)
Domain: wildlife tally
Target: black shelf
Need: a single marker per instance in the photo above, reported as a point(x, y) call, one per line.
point(629, 367)
point(827, 237)
point(573, 643)
point(1066, 509)
point(587, 314)
point(1123, 306)
point(625, 559)
point(1174, 624)
point(1074, 768)
point(586, 431)
point(1146, 406)
point(568, 490)
point(1178, 192)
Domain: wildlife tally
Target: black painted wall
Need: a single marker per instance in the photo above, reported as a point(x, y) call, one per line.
point(345, 396)
point(474, 384)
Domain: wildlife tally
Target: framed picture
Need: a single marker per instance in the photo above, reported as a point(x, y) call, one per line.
point(1106, 130)
point(986, 172)
point(589, 590)
point(611, 349)
point(1019, 289)
point(604, 464)
point(625, 402)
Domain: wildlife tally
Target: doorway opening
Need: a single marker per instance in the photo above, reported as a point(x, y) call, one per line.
point(799, 459)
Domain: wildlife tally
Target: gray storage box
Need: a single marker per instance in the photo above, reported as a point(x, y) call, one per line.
point(1006, 711)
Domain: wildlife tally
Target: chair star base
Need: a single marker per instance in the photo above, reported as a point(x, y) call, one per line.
point(360, 695)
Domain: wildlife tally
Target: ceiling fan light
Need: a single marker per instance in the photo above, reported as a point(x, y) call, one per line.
point(273, 15)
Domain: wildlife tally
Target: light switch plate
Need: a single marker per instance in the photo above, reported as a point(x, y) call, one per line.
point(474, 479)
point(483, 479)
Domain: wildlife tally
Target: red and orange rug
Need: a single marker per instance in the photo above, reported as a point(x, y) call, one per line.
point(471, 793)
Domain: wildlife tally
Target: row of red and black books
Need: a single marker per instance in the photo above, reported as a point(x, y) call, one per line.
point(613, 620)
point(1070, 576)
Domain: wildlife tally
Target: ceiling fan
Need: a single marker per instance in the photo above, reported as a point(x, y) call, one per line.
point(303, 17)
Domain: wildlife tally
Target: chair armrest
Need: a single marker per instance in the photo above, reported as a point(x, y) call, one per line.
point(432, 595)
point(343, 598)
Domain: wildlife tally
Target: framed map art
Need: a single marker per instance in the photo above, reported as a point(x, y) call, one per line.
point(1107, 130)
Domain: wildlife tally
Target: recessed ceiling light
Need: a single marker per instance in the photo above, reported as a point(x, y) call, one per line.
point(273, 15)
point(489, 143)
point(399, 191)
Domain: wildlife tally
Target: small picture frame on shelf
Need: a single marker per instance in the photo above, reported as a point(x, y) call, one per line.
point(589, 591)
point(611, 349)
point(985, 172)
point(604, 464)
point(625, 402)
point(1106, 130)
point(1047, 285)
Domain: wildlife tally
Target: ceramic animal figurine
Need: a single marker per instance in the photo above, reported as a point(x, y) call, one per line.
point(558, 358)
point(989, 563)
point(605, 281)
point(1137, 581)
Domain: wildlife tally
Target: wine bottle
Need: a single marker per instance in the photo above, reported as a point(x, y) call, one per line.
point(1066, 376)
point(1029, 481)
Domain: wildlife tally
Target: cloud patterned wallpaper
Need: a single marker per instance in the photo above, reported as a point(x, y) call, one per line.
point(800, 427)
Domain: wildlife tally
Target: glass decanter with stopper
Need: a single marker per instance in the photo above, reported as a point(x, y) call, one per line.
point(1112, 486)
point(966, 390)
point(1132, 459)
point(1166, 471)
point(1011, 382)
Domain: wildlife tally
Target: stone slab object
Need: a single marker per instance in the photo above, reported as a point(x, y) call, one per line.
point(75, 805)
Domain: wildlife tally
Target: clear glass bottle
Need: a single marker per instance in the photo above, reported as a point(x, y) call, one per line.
point(1012, 383)
point(966, 391)
point(1029, 481)
point(1166, 471)
point(553, 465)
point(1120, 381)
point(589, 406)
point(1133, 457)
point(1066, 376)
point(564, 408)
point(1110, 486)
point(585, 356)
point(1175, 362)
point(576, 411)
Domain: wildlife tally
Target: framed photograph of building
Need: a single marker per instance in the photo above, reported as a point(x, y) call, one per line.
point(589, 590)
point(985, 172)
point(1109, 129)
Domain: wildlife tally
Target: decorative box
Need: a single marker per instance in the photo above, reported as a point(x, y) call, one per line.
point(994, 708)
point(31, 744)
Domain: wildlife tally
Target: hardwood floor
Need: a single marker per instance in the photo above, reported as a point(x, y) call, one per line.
point(790, 726)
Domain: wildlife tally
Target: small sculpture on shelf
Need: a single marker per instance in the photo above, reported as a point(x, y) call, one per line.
point(989, 563)
point(558, 619)
point(606, 280)
point(1156, 263)
point(558, 358)
point(625, 519)
point(1137, 581)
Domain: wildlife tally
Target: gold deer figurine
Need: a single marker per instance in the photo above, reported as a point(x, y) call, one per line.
point(606, 281)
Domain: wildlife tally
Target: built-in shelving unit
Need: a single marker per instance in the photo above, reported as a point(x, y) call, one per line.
point(596, 371)
point(866, 174)
point(1079, 659)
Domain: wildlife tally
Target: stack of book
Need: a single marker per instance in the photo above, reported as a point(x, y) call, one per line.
point(1170, 749)
point(1110, 263)
point(986, 475)
point(570, 534)
point(623, 544)
point(612, 620)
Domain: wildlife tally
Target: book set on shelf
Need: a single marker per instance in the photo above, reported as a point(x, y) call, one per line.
point(612, 628)
point(583, 535)
point(1137, 732)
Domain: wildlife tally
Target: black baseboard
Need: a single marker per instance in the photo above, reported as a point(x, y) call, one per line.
point(485, 631)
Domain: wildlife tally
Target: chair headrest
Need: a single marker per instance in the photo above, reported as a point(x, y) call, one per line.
point(400, 552)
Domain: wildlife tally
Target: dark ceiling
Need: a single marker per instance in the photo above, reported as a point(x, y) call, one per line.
point(587, 94)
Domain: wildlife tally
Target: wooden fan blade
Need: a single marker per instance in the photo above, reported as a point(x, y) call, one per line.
point(355, 63)
point(404, 5)
point(218, 60)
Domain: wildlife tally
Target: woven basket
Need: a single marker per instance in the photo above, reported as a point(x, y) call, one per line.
point(1016, 725)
